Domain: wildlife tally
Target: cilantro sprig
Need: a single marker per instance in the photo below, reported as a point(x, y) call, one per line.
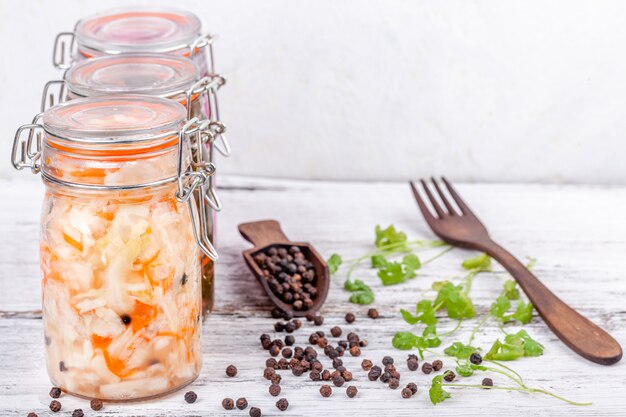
point(389, 242)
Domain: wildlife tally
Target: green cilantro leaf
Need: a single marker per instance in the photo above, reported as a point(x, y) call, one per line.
point(408, 317)
point(390, 236)
point(510, 290)
point(500, 307)
point(523, 313)
point(478, 263)
point(412, 261)
point(393, 273)
point(514, 346)
point(378, 261)
point(333, 263)
point(459, 350)
point(426, 312)
point(362, 293)
point(465, 369)
point(430, 337)
point(404, 340)
point(456, 302)
point(436, 392)
point(531, 346)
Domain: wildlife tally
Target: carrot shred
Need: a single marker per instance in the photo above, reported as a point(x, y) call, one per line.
point(71, 241)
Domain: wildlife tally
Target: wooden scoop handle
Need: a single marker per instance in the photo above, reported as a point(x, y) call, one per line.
point(263, 233)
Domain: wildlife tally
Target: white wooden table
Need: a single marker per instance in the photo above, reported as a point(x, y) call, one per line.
point(577, 233)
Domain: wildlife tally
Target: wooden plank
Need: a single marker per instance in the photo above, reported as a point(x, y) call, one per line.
point(577, 233)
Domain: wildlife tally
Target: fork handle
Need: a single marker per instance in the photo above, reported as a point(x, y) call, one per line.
point(575, 330)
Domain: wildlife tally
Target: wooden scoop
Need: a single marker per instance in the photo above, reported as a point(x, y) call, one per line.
point(265, 234)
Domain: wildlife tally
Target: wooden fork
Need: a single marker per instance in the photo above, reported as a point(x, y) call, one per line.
point(460, 227)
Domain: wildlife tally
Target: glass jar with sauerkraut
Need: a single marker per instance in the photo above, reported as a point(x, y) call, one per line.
point(156, 75)
point(121, 242)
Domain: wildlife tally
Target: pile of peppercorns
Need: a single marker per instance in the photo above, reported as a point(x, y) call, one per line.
point(290, 276)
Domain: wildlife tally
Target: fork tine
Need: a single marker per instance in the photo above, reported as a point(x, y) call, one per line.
point(459, 201)
point(425, 212)
point(432, 199)
point(443, 197)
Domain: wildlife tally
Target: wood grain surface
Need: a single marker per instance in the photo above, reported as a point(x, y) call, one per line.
point(577, 234)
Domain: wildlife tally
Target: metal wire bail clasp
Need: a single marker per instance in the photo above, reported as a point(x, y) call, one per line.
point(63, 51)
point(208, 86)
point(202, 41)
point(53, 93)
point(192, 179)
point(26, 151)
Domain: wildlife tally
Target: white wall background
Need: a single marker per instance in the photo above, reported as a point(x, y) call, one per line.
point(478, 90)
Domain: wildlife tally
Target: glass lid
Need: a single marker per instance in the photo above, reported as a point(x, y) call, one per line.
point(138, 29)
point(150, 74)
point(114, 119)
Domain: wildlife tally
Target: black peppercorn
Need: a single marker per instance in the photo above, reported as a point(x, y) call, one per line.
point(31, 414)
point(366, 365)
point(55, 392)
point(326, 391)
point(314, 338)
point(310, 317)
point(275, 379)
point(335, 331)
point(385, 377)
point(274, 390)
point(338, 381)
point(78, 413)
point(372, 313)
point(242, 403)
point(228, 403)
point(287, 352)
point(290, 327)
point(355, 351)
point(319, 320)
point(407, 393)
point(289, 340)
point(374, 373)
point(351, 391)
point(387, 360)
point(277, 313)
point(231, 370)
point(427, 368)
point(412, 364)
point(55, 406)
point(274, 350)
point(363, 343)
point(350, 318)
point(297, 323)
point(191, 397)
point(282, 404)
point(96, 405)
point(487, 382)
point(347, 375)
point(297, 370)
point(476, 359)
point(449, 376)
point(437, 365)
point(271, 363)
point(279, 326)
point(268, 373)
point(326, 375)
point(255, 412)
point(412, 386)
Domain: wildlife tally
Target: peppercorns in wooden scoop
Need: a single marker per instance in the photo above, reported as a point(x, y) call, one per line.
point(293, 274)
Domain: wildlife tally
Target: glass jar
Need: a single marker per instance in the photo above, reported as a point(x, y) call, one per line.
point(136, 29)
point(120, 243)
point(159, 75)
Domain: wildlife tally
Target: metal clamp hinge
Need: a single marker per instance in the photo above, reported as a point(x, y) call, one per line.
point(63, 51)
point(193, 182)
point(26, 151)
